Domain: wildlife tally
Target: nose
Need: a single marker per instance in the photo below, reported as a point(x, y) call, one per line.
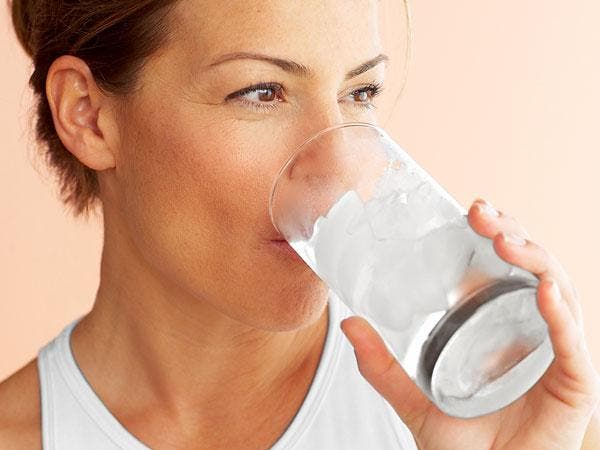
point(313, 119)
point(321, 164)
point(322, 116)
point(320, 150)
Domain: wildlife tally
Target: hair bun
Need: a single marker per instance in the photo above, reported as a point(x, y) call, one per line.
point(23, 15)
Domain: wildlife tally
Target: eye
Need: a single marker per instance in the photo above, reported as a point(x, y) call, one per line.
point(259, 96)
point(265, 96)
point(364, 96)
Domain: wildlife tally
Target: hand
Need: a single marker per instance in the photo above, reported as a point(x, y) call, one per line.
point(553, 414)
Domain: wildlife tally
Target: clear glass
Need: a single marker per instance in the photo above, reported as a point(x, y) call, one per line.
point(396, 248)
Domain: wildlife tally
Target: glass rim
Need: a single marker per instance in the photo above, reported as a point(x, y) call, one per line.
point(301, 147)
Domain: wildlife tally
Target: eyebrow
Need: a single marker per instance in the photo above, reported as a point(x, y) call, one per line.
point(294, 67)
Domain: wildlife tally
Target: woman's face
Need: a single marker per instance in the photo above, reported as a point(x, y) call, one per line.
point(197, 156)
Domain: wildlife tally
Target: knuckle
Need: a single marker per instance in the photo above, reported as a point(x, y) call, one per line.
point(593, 396)
point(387, 368)
point(520, 229)
point(376, 372)
point(547, 257)
point(511, 220)
point(553, 260)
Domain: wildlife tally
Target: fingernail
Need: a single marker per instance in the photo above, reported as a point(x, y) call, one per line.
point(554, 289)
point(515, 239)
point(488, 209)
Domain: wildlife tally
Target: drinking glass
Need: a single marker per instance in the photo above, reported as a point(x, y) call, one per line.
point(397, 249)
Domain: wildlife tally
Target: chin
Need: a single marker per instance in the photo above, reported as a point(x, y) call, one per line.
point(300, 308)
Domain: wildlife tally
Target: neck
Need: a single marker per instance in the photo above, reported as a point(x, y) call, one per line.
point(147, 346)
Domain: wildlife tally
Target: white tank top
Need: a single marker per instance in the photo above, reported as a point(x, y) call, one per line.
point(340, 411)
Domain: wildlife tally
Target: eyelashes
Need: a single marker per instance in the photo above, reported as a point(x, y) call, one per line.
point(374, 88)
point(371, 89)
point(262, 86)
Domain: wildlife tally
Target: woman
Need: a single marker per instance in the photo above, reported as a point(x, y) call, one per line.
point(175, 116)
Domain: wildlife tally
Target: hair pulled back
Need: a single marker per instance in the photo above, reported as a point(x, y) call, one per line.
point(114, 38)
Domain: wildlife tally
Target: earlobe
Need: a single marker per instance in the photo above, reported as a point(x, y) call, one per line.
point(75, 102)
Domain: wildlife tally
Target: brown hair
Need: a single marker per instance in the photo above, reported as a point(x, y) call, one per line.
point(114, 38)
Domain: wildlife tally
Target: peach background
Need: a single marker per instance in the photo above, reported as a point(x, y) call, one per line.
point(502, 101)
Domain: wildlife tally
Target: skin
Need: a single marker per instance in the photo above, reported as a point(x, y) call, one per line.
point(199, 323)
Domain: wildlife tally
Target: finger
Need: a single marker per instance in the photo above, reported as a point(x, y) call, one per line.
point(530, 256)
point(379, 367)
point(577, 381)
point(562, 328)
point(489, 221)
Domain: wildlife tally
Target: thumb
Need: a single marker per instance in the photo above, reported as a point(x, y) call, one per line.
point(379, 367)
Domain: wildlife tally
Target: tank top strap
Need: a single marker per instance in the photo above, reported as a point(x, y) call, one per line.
point(73, 416)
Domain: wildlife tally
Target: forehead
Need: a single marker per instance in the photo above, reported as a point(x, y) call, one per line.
point(312, 31)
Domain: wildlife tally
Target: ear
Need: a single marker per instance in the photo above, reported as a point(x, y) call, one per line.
point(77, 103)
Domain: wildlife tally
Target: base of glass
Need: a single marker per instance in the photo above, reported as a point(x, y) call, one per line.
point(487, 350)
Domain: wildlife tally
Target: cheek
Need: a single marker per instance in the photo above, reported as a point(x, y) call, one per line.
point(194, 201)
point(235, 163)
point(196, 193)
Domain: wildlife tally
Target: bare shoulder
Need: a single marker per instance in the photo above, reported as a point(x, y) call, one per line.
point(20, 418)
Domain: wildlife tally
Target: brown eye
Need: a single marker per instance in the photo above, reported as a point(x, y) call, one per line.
point(361, 96)
point(260, 96)
point(266, 95)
